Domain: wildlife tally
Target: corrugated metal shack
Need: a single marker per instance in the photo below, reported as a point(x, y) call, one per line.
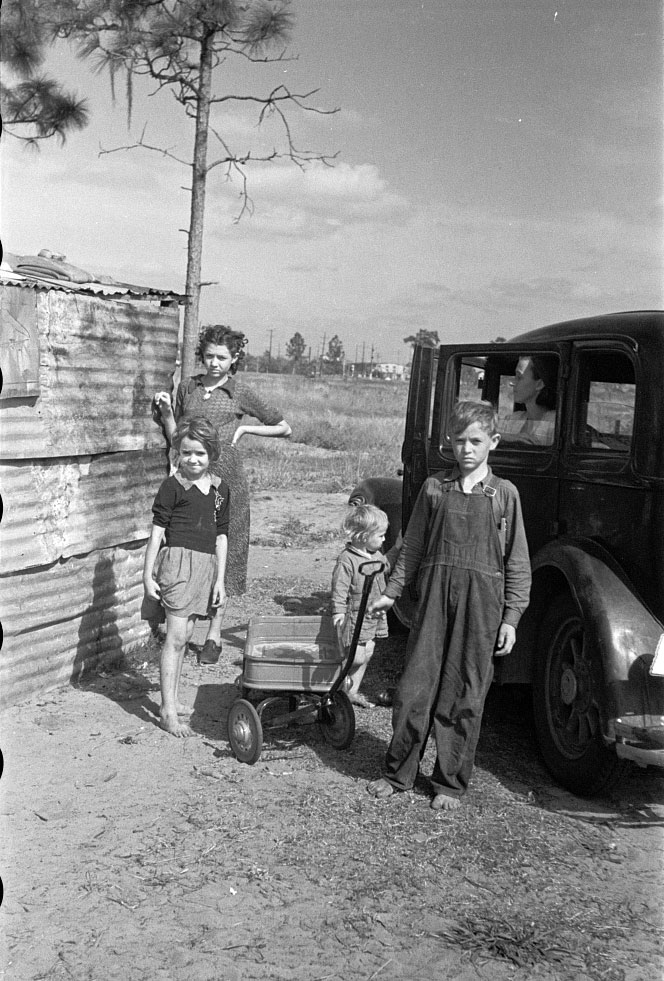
point(80, 461)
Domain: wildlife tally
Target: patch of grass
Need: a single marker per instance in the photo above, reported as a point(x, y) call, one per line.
point(343, 431)
point(295, 533)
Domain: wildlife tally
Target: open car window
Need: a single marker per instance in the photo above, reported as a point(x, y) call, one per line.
point(494, 377)
point(605, 399)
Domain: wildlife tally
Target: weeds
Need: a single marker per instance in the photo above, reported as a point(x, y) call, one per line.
point(343, 431)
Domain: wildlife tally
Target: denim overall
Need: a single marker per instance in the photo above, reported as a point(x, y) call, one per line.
point(449, 659)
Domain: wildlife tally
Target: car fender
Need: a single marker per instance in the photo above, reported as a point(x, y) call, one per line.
point(384, 493)
point(622, 630)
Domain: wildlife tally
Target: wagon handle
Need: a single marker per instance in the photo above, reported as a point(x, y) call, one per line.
point(378, 566)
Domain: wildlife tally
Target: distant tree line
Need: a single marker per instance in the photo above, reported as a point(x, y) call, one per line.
point(300, 360)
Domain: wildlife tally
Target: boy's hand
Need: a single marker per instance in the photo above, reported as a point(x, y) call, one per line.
point(376, 607)
point(151, 589)
point(338, 619)
point(218, 594)
point(506, 639)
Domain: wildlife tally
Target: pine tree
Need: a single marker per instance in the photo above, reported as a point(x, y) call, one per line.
point(182, 46)
point(34, 106)
point(295, 350)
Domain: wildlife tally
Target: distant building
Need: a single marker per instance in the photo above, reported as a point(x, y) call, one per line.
point(388, 370)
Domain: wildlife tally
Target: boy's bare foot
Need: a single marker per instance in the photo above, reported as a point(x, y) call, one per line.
point(380, 788)
point(443, 802)
point(357, 698)
point(176, 728)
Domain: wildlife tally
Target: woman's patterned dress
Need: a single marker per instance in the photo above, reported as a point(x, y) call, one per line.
point(224, 407)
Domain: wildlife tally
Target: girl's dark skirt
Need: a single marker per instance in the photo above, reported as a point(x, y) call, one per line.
point(186, 579)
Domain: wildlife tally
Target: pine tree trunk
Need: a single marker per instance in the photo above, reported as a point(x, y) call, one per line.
point(197, 215)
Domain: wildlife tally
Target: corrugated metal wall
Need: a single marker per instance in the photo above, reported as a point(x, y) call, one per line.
point(76, 613)
point(79, 467)
point(64, 507)
point(99, 361)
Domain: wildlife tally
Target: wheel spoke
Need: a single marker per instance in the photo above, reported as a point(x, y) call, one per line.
point(576, 653)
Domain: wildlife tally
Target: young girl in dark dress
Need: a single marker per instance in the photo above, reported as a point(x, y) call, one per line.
point(190, 512)
point(225, 401)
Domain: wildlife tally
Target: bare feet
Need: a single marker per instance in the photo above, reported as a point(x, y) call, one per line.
point(171, 724)
point(357, 698)
point(443, 802)
point(380, 788)
point(185, 709)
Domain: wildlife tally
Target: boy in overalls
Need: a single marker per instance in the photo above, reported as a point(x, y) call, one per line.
point(465, 547)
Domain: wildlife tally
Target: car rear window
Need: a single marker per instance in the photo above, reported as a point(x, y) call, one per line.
point(606, 395)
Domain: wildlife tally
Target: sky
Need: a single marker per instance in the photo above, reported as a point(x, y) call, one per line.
point(498, 167)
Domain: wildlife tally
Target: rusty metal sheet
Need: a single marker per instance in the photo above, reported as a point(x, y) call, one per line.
point(19, 343)
point(56, 508)
point(71, 617)
point(94, 287)
point(100, 362)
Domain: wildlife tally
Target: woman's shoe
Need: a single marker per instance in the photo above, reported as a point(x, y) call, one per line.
point(209, 653)
point(385, 697)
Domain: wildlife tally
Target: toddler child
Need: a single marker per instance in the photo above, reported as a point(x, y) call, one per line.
point(366, 526)
point(191, 512)
point(472, 590)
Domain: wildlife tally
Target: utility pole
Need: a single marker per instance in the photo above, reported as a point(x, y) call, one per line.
point(364, 344)
point(322, 353)
point(269, 353)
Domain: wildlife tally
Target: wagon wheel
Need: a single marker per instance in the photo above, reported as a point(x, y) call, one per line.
point(337, 721)
point(245, 732)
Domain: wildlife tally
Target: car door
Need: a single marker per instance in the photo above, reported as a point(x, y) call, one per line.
point(602, 497)
point(481, 371)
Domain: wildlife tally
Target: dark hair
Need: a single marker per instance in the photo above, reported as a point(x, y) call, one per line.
point(198, 428)
point(545, 368)
point(234, 340)
point(466, 413)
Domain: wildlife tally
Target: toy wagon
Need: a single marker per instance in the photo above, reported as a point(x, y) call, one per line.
point(295, 668)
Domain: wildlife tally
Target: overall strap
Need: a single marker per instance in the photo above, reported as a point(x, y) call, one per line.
point(491, 490)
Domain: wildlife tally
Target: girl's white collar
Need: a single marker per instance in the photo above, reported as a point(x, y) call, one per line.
point(203, 483)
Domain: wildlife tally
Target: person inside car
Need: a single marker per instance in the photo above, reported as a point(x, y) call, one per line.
point(534, 418)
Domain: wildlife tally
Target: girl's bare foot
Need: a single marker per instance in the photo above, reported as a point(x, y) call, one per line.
point(171, 724)
point(443, 802)
point(380, 788)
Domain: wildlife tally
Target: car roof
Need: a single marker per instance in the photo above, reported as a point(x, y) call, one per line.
point(646, 327)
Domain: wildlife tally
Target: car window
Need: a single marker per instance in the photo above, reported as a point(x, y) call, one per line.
point(496, 378)
point(606, 395)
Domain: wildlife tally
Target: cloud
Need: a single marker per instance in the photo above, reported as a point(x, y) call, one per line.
point(318, 200)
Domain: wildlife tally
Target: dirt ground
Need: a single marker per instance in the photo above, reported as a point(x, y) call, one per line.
point(129, 854)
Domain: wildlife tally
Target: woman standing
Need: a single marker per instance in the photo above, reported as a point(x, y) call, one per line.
point(224, 401)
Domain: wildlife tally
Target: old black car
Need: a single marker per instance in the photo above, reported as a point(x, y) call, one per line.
point(592, 491)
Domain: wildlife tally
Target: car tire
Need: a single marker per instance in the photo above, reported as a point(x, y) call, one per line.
point(567, 694)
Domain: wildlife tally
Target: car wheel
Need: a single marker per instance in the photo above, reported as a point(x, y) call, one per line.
point(566, 700)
